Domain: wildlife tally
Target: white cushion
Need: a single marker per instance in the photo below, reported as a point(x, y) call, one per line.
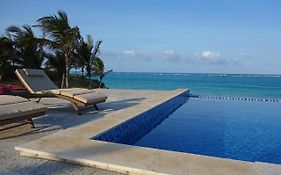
point(9, 99)
point(91, 98)
point(20, 109)
point(74, 92)
point(86, 96)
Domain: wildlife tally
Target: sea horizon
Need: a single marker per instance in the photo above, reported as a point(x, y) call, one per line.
point(262, 86)
point(204, 73)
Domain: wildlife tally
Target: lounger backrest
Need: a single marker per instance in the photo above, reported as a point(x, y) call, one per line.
point(35, 80)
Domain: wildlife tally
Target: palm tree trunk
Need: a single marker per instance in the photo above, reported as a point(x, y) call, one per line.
point(2, 71)
point(100, 81)
point(82, 72)
point(66, 71)
point(89, 77)
point(63, 81)
point(1, 75)
point(67, 80)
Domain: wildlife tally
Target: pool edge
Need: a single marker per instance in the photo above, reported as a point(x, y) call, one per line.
point(75, 146)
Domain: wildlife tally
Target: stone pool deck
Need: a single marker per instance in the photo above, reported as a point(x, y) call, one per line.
point(61, 116)
point(74, 144)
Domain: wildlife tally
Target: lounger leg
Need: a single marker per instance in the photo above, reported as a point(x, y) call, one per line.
point(79, 112)
point(30, 122)
point(76, 108)
point(38, 100)
point(96, 107)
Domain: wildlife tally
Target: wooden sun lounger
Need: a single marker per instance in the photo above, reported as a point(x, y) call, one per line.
point(15, 108)
point(39, 85)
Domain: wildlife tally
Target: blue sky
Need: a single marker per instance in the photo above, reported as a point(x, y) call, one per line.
point(218, 36)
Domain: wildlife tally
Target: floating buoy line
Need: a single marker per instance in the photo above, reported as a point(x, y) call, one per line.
point(234, 98)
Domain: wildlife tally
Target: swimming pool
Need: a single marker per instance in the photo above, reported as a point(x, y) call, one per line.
point(242, 130)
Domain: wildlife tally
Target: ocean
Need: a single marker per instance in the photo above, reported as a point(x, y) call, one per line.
point(218, 85)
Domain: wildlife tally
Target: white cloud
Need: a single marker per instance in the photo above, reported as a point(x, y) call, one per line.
point(169, 52)
point(240, 57)
point(210, 55)
point(204, 57)
point(173, 56)
point(129, 53)
point(243, 55)
point(170, 55)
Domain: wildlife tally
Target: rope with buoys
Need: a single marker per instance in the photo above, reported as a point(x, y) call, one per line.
point(234, 98)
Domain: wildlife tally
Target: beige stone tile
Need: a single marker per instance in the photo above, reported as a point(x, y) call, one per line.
point(86, 162)
point(27, 154)
point(203, 165)
point(118, 157)
point(125, 169)
point(128, 113)
point(268, 168)
point(131, 159)
point(53, 143)
point(170, 162)
point(93, 128)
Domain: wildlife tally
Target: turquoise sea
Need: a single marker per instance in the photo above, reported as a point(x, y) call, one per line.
point(222, 85)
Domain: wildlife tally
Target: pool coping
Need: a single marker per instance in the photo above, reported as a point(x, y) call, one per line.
point(76, 146)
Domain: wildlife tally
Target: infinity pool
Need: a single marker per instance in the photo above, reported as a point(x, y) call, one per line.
point(243, 130)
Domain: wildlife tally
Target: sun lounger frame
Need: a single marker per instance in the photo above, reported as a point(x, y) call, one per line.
point(77, 105)
point(21, 118)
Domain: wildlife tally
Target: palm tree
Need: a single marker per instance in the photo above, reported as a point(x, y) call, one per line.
point(28, 48)
point(63, 37)
point(56, 62)
point(93, 58)
point(99, 70)
point(84, 55)
point(6, 55)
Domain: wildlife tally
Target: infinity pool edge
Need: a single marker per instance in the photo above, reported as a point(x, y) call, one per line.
point(74, 145)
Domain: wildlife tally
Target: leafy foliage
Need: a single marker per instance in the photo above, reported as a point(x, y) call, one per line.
point(28, 50)
point(62, 37)
point(7, 55)
point(60, 49)
point(99, 69)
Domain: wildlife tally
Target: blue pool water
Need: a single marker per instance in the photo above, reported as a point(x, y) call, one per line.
point(237, 129)
point(242, 130)
point(235, 85)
